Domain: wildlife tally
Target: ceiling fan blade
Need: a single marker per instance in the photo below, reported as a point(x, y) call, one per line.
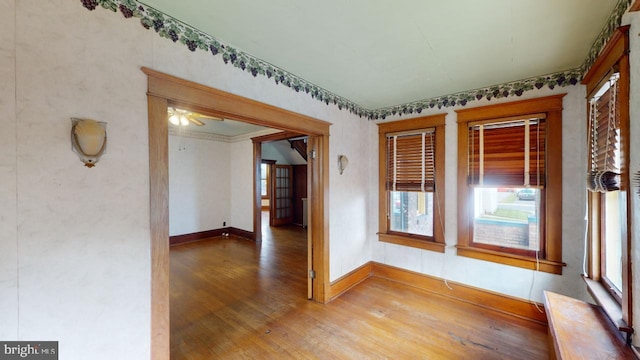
point(210, 117)
point(193, 119)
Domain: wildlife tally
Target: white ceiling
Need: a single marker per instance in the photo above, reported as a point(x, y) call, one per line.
point(228, 128)
point(379, 53)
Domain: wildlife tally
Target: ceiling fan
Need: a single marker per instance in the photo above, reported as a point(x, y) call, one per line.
point(179, 117)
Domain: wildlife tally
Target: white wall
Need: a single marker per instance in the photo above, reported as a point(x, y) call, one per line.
point(8, 168)
point(210, 182)
point(241, 188)
point(82, 260)
point(500, 278)
point(199, 184)
point(75, 241)
point(75, 244)
point(351, 207)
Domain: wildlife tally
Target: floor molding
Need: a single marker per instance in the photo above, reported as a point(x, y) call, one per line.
point(201, 235)
point(249, 235)
point(346, 282)
point(484, 298)
point(480, 297)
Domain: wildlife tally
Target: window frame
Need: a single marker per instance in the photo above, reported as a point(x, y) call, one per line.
point(437, 241)
point(617, 306)
point(269, 164)
point(551, 196)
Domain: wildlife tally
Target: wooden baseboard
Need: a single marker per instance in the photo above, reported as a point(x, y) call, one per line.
point(484, 298)
point(249, 235)
point(201, 235)
point(346, 282)
point(480, 297)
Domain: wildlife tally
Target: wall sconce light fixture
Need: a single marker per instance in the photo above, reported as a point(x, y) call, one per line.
point(88, 140)
point(343, 162)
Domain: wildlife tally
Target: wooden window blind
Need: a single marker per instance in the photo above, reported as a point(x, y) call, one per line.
point(411, 161)
point(507, 153)
point(604, 135)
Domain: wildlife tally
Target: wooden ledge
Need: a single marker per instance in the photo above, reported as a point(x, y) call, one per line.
point(610, 306)
point(579, 330)
point(412, 242)
point(525, 262)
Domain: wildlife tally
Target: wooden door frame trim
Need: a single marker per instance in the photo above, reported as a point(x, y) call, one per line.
point(164, 90)
point(284, 135)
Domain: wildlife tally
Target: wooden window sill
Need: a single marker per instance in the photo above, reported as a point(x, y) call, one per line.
point(610, 306)
point(412, 242)
point(525, 262)
point(571, 339)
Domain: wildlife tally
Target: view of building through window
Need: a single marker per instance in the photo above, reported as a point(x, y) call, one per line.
point(264, 168)
point(613, 240)
point(507, 217)
point(411, 212)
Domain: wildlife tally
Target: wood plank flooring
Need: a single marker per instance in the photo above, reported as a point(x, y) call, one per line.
point(235, 299)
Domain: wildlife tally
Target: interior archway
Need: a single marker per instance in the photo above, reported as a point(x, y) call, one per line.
point(164, 90)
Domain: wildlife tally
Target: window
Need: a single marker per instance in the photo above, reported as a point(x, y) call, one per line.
point(509, 186)
point(412, 182)
point(264, 177)
point(604, 179)
point(608, 179)
point(264, 183)
point(506, 173)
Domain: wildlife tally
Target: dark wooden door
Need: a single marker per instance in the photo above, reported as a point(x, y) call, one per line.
point(281, 202)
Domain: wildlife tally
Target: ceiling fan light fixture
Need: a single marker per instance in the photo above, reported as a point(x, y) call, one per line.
point(178, 119)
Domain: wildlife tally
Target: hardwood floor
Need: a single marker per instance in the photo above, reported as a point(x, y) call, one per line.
point(235, 299)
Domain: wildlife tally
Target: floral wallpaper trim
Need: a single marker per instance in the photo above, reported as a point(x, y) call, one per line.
point(613, 22)
point(194, 39)
point(179, 32)
point(515, 88)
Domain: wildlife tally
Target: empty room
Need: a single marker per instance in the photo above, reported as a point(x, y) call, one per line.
point(319, 180)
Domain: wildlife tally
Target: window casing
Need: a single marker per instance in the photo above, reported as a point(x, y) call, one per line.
point(604, 180)
point(265, 173)
point(411, 163)
point(510, 183)
point(609, 252)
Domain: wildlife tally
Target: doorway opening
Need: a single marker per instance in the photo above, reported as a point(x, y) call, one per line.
point(166, 91)
point(283, 178)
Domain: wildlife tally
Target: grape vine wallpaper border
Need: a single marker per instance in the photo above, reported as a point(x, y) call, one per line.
point(194, 39)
